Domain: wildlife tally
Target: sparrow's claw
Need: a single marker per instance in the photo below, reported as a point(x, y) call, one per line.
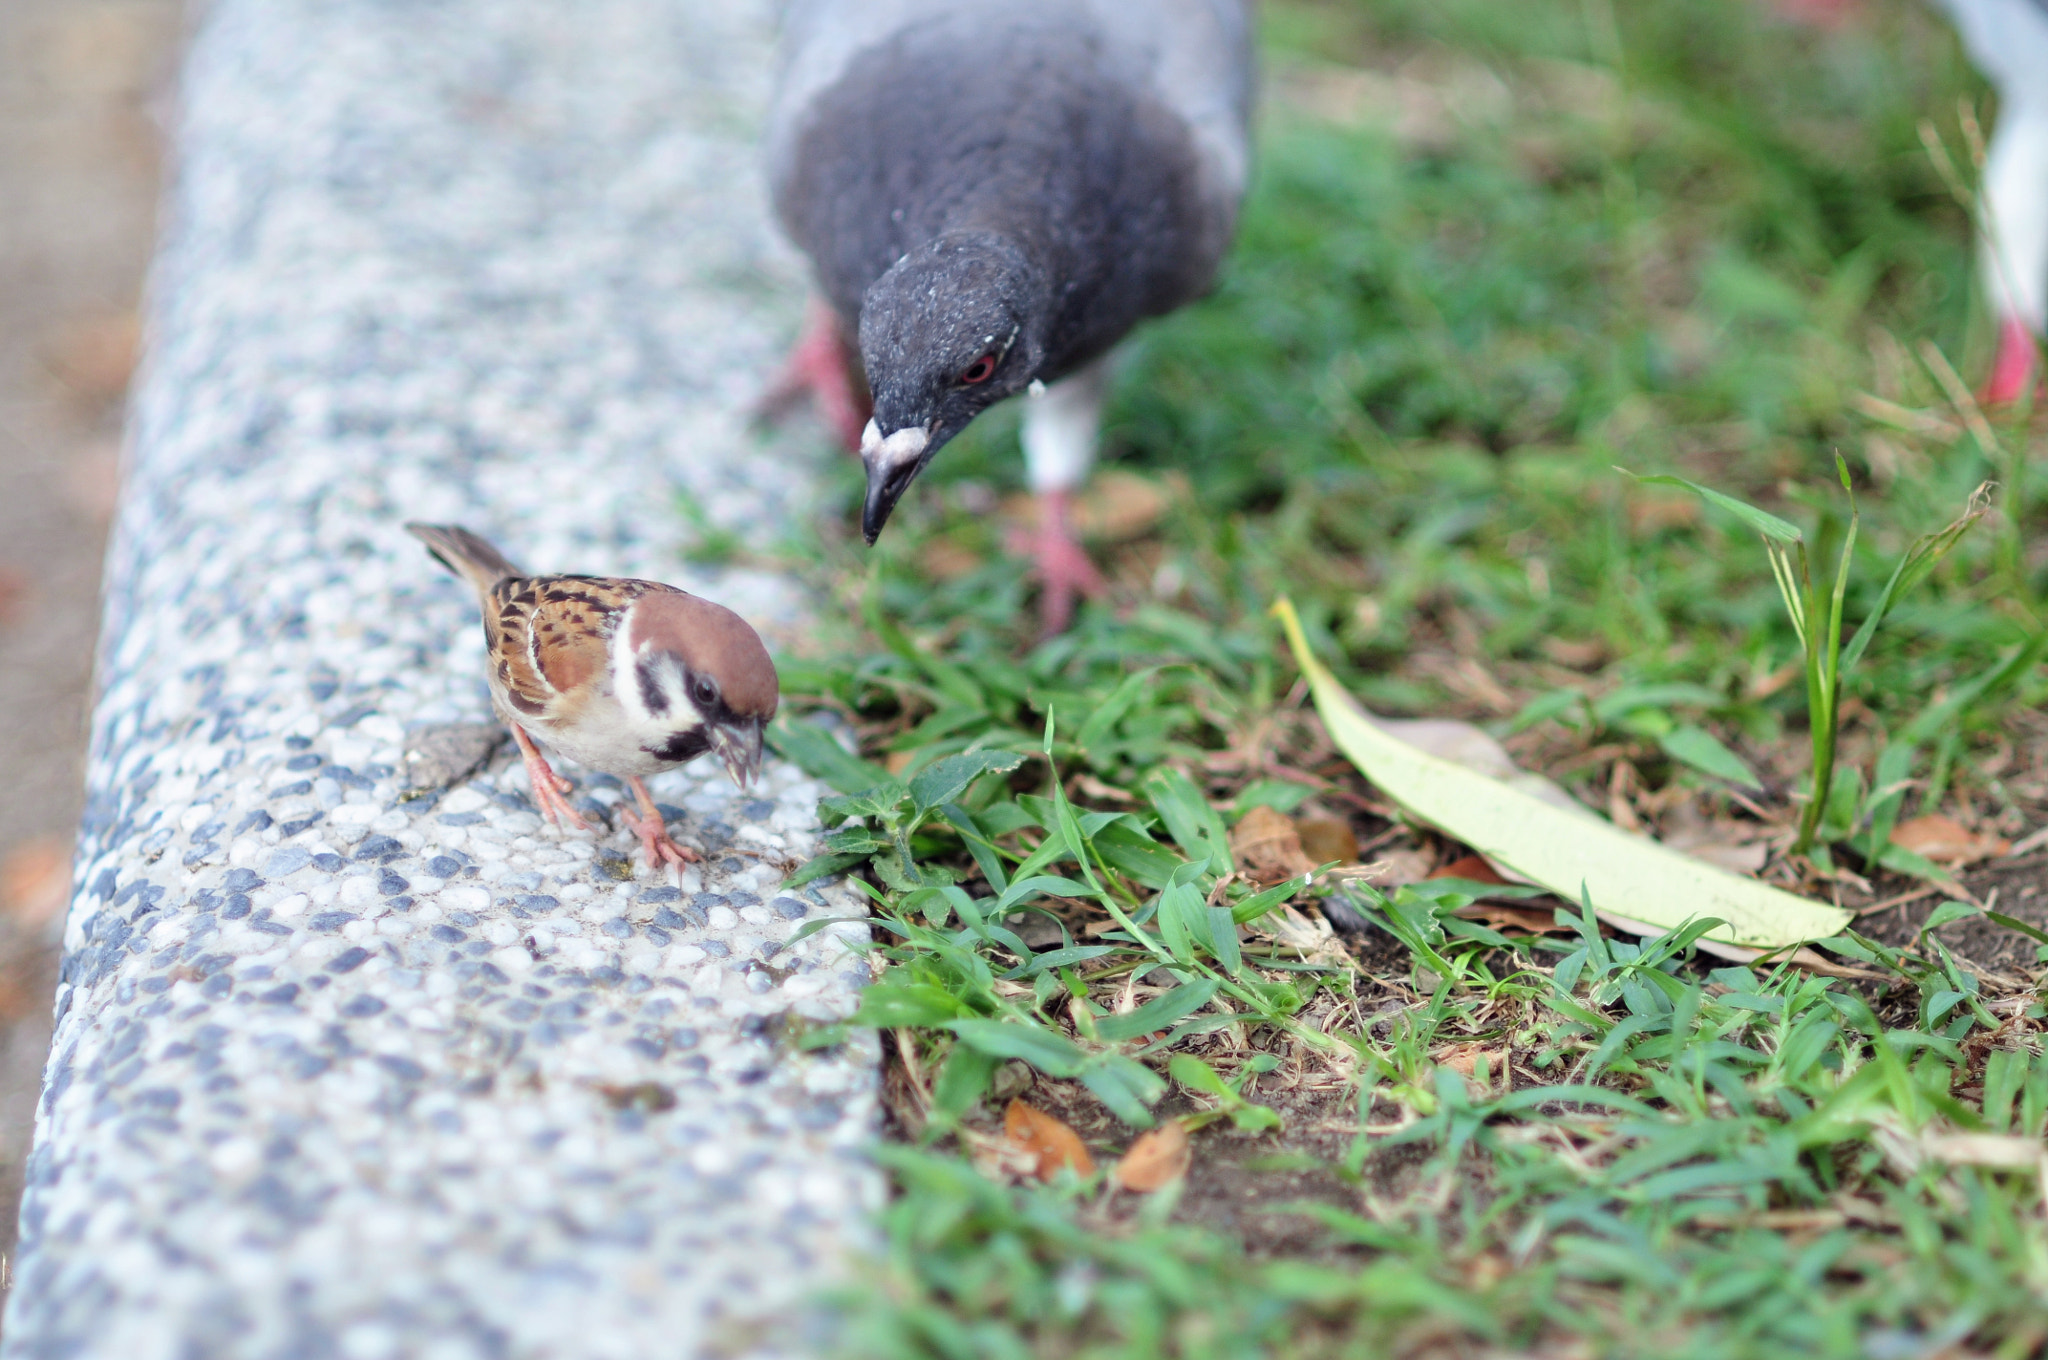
point(548, 787)
point(1061, 565)
point(661, 848)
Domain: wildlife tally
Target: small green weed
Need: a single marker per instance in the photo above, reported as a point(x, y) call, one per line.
point(1815, 610)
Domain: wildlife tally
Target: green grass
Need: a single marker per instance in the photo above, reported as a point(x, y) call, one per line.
point(1672, 236)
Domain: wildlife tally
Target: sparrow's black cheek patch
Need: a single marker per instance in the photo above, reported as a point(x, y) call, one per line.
point(651, 692)
point(687, 744)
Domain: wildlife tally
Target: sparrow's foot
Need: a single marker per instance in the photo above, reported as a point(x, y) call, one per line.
point(653, 833)
point(2013, 371)
point(822, 368)
point(548, 787)
point(1059, 563)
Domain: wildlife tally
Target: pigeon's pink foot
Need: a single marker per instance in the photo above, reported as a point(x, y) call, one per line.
point(1059, 563)
point(654, 837)
point(2013, 371)
point(822, 368)
point(548, 787)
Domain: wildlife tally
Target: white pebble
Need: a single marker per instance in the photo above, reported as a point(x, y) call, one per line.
point(512, 959)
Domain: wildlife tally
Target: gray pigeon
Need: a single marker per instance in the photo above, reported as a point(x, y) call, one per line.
point(991, 196)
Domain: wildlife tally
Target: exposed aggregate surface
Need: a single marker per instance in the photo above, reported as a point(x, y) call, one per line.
point(343, 1070)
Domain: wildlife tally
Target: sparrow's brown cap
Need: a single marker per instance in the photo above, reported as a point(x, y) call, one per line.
point(711, 640)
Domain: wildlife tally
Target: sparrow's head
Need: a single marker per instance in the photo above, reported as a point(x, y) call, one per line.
point(950, 330)
point(697, 674)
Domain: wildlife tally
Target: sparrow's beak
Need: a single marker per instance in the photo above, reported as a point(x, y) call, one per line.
point(739, 746)
point(892, 463)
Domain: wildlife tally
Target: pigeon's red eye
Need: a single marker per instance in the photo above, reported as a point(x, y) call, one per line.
point(980, 371)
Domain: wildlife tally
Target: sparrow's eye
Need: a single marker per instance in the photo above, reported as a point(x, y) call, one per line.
point(704, 690)
point(980, 371)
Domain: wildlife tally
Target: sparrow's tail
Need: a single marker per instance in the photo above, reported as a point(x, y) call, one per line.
point(465, 554)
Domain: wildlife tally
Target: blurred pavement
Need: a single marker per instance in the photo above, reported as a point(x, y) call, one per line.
point(79, 82)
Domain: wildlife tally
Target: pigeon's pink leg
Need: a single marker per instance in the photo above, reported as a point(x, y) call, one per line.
point(821, 366)
point(654, 837)
point(1060, 564)
point(548, 787)
point(2013, 371)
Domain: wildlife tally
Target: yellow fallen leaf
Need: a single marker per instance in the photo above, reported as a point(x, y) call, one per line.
point(1158, 1158)
point(1561, 848)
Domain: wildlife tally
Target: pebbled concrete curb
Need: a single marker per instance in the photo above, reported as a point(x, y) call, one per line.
point(342, 1074)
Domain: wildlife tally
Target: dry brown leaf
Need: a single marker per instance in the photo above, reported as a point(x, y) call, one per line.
point(35, 881)
point(1114, 506)
point(1650, 512)
point(1049, 1142)
point(1461, 1058)
point(1404, 864)
point(1502, 916)
point(1946, 841)
point(1324, 839)
point(945, 560)
point(1118, 505)
point(1587, 655)
point(1156, 1160)
point(1471, 868)
point(1267, 847)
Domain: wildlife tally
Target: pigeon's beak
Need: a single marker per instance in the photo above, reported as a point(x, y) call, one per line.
point(892, 463)
point(739, 746)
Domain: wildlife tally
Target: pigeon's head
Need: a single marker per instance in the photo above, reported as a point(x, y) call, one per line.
point(949, 331)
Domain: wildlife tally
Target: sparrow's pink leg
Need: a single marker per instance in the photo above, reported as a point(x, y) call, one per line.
point(2013, 370)
point(548, 787)
point(1059, 563)
point(654, 837)
point(822, 367)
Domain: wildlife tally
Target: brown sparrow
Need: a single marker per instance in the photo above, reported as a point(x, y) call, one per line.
point(628, 677)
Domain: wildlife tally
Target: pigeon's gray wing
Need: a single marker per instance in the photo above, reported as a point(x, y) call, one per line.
point(1199, 56)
